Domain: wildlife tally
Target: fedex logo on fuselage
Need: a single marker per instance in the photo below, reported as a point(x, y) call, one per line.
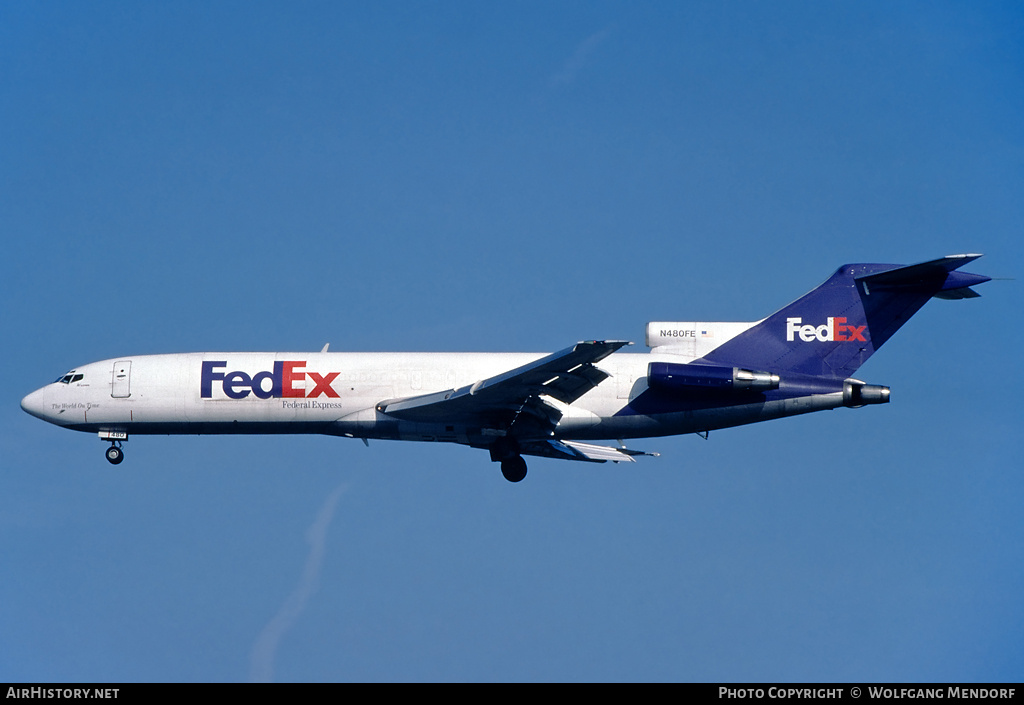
point(833, 329)
point(272, 384)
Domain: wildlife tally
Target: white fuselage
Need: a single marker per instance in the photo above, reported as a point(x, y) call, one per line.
point(338, 394)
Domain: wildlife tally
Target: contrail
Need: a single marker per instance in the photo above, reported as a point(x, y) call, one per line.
point(583, 52)
point(261, 668)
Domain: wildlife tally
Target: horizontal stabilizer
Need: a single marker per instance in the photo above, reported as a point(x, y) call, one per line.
point(961, 293)
point(926, 276)
point(919, 272)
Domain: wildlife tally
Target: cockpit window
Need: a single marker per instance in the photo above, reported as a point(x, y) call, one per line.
point(70, 377)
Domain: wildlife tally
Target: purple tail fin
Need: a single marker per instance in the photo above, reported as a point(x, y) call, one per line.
point(832, 330)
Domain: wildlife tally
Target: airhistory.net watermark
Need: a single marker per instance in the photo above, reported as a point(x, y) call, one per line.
point(62, 693)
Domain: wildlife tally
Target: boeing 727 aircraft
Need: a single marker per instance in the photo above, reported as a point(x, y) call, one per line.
point(697, 377)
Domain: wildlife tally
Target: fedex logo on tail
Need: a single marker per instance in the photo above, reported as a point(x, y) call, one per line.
point(271, 384)
point(834, 329)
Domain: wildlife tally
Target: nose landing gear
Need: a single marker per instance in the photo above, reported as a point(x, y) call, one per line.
point(114, 454)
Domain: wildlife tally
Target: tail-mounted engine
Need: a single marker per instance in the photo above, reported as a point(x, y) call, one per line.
point(857, 393)
point(670, 376)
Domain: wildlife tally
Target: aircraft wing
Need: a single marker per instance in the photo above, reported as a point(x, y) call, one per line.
point(513, 397)
point(575, 450)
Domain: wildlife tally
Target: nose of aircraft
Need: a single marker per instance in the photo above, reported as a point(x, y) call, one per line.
point(35, 404)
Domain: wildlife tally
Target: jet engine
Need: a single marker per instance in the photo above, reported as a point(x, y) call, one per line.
point(857, 393)
point(671, 376)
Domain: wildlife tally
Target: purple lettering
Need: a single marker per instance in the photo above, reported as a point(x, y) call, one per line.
point(209, 376)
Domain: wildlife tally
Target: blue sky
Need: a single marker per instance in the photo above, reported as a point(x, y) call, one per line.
point(475, 176)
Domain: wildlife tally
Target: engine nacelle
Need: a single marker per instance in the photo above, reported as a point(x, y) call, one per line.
point(857, 393)
point(670, 376)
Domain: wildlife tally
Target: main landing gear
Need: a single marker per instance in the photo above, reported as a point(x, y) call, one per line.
point(514, 468)
point(114, 454)
point(506, 451)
